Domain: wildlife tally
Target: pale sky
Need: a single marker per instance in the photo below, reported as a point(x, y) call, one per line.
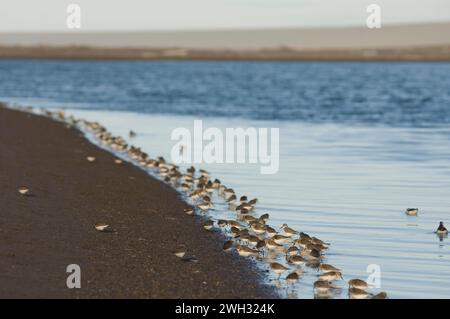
point(108, 15)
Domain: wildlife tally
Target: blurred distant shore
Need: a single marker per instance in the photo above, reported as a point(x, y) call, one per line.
point(433, 53)
point(415, 42)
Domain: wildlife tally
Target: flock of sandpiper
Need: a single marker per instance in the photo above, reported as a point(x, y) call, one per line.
point(250, 235)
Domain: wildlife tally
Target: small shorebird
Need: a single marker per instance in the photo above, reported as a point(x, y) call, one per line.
point(292, 251)
point(441, 230)
point(296, 260)
point(312, 254)
point(118, 161)
point(319, 242)
point(331, 276)
point(189, 211)
point(270, 231)
point(231, 199)
point(358, 284)
point(356, 293)
point(244, 206)
point(222, 223)
point(90, 159)
point(249, 219)
point(205, 206)
point(271, 244)
point(132, 133)
point(236, 224)
point(264, 218)
point(381, 295)
point(288, 231)
point(180, 251)
point(208, 225)
point(244, 211)
point(278, 268)
point(280, 239)
point(322, 286)
point(260, 244)
point(228, 245)
point(24, 190)
point(327, 268)
point(253, 240)
point(244, 237)
point(101, 226)
point(234, 231)
point(246, 251)
point(292, 278)
point(258, 228)
point(412, 211)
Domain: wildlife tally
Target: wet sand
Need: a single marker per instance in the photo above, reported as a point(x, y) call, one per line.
point(43, 233)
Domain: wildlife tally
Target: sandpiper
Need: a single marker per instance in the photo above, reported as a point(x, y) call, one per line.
point(258, 228)
point(331, 276)
point(312, 254)
point(319, 242)
point(246, 251)
point(322, 286)
point(327, 268)
point(253, 240)
point(356, 293)
point(234, 223)
point(90, 159)
point(234, 231)
point(101, 226)
point(292, 278)
point(208, 225)
point(441, 230)
point(118, 161)
point(264, 217)
point(271, 244)
point(292, 251)
point(296, 260)
point(180, 251)
point(231, 199)
point(222, 223)
point(245, 206)
point(270, 231)
point(189, 211)
point(280, 239)
point(288, 231)
point(412, 211)
point(132, 133)
point(228, 245)
point(261, 244)
point(23, 190)
point(249, 219)
point(205, 206)
point(381, 295)
point(278, 268)
point(358, 284)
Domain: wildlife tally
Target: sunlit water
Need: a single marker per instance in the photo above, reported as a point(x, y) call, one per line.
point(346, 181)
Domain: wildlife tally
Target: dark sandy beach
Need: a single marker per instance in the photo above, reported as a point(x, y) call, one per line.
point(43, 233)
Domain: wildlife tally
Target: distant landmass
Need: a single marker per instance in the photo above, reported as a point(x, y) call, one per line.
point(429, 42)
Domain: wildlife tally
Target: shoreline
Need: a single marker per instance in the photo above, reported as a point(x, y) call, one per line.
point(45, 232)
point(439, 53)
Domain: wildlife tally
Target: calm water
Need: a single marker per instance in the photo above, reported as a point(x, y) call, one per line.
point(358, 144)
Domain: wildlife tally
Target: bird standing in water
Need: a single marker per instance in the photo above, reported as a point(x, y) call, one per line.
point(441, 230)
